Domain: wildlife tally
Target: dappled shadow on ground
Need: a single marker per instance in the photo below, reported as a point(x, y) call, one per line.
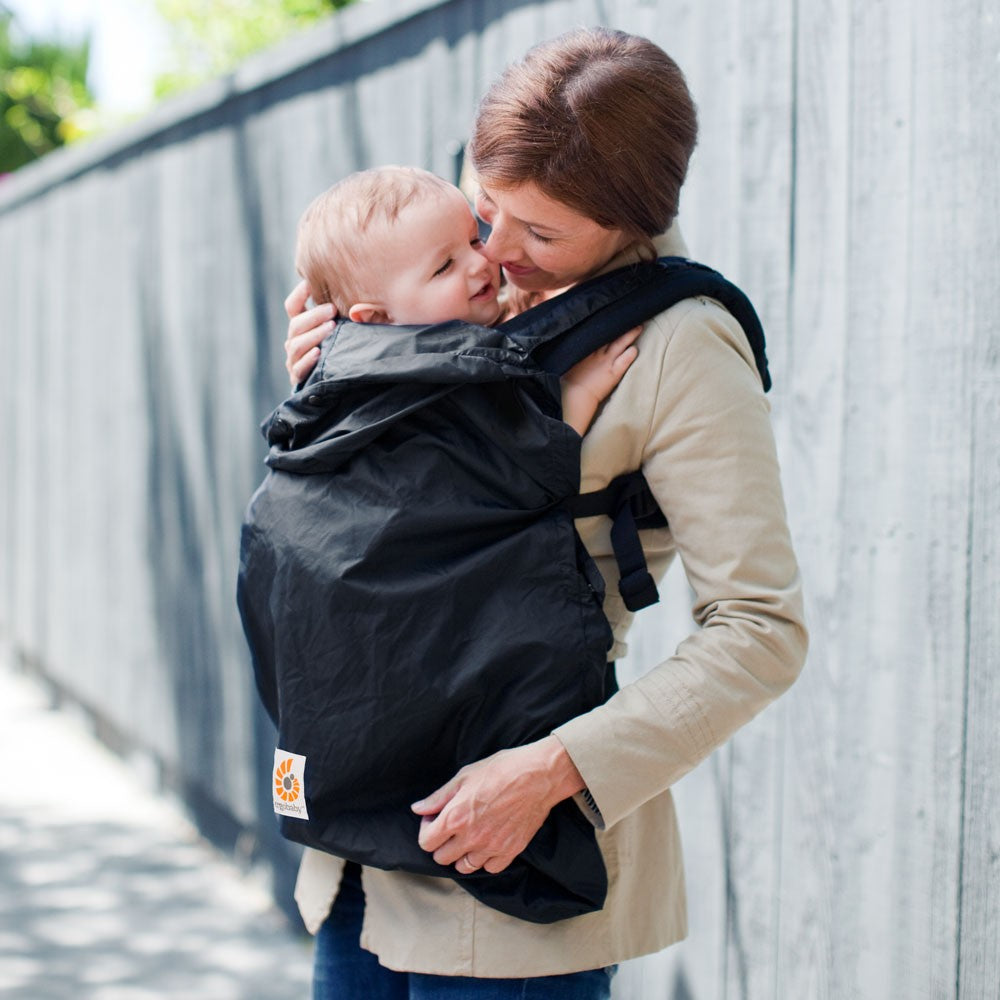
point(107, 892)
point(106, 912)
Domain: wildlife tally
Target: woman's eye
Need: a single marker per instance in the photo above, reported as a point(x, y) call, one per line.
point(484, 208)
point(539, 237)
point(444, 267)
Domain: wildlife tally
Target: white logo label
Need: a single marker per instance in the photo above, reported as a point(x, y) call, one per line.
point(289, 784)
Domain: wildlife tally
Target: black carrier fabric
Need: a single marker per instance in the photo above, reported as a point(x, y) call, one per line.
point(413, 589)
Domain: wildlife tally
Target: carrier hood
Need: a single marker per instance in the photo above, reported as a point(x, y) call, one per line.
point(370, 376)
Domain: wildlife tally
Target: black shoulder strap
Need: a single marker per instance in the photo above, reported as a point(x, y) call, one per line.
point(648, 289)
point(627, 499)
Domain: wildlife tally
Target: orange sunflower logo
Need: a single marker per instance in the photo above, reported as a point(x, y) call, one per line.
point(286, 785)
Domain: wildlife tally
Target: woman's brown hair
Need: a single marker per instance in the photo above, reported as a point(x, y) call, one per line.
point(600, 120)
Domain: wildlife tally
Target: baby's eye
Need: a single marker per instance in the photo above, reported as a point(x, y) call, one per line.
point(444, 267)
point(476, 244)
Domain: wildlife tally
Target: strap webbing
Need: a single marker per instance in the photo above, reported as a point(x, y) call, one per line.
point(644, 291)
point(626, 499)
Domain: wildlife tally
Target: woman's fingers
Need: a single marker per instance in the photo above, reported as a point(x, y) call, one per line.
point(450, 854)
point(491, 809)
point(622, 363)
point(467, 864)
point(445, 817)
point(436, 833)
point(306, 330)
point(302, 352)
point(305, 333)
point(429, 807)
point(306, 322)
point(621, 352)
point(468, 861)
point(299, 371)
point(497, 864)
point(622, 343)
point(447, 849)
point(297, 298)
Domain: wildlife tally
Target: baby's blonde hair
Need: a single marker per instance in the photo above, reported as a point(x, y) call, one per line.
point(337, 232)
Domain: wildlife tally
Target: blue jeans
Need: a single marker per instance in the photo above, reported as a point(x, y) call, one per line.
point(343, 970)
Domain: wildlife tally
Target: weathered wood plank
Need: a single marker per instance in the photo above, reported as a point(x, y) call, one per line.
point(126, 209)
point(9, 275)
point(974, 33)
point(885, 709)
point(955, 140)
point(979, 944)
point(30, 344)
point(762, 206)
point(812, 868)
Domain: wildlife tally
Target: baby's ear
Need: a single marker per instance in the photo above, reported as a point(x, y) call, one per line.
point(367, 312)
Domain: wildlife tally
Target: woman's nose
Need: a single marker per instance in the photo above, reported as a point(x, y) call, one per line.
point(500, 247)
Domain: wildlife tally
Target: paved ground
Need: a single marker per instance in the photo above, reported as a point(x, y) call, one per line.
point(113, 896)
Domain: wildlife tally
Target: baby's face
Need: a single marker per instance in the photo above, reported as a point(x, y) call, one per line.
point(433, 268)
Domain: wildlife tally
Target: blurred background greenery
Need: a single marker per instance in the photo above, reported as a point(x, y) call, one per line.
point(46, 98)
point(208, 39)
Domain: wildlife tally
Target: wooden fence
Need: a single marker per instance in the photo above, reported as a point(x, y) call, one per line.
point(847, 843)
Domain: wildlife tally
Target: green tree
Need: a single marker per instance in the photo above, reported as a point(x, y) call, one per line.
point(208, 39)
point(44, 99)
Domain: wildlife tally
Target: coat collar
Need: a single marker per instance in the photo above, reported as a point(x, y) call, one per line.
point(668, 244)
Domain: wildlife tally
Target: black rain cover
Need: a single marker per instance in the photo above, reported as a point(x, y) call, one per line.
point(416, 598)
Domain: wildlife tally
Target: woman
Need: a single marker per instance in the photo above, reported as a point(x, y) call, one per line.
point(581, 150)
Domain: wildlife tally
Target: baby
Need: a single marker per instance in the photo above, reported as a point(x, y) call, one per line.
point(400, 245)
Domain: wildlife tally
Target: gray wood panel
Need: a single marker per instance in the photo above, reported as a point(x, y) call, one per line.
point(845, 843)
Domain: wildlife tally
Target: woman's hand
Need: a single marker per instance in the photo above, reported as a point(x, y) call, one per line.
point(306, 330)
point(590, 381)
point(485, 816)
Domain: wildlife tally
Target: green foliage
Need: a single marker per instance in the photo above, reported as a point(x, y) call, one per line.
point(210, 38)
point(44, 99)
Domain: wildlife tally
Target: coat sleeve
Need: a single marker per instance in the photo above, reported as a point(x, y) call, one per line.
point(709, 457)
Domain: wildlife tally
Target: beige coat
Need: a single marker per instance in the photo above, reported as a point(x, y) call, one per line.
point(691, 412)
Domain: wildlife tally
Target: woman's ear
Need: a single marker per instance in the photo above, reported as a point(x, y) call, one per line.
point(367, 312)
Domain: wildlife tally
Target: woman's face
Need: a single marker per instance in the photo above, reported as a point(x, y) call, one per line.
point(542, 244)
